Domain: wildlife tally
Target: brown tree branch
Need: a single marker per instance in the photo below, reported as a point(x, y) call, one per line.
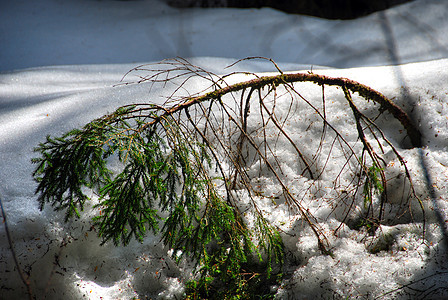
point(355, 87)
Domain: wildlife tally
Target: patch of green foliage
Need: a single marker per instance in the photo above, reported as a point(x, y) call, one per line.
point(163, 187)
point(373, 184)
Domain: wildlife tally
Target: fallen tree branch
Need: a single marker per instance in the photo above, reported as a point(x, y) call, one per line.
point(185, 159)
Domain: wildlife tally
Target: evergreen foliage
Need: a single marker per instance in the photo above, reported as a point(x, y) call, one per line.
point(180, 171)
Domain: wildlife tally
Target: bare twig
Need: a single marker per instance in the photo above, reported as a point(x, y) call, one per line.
point(25, 280)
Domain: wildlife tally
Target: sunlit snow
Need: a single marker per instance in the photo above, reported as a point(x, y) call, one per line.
point(61, 65)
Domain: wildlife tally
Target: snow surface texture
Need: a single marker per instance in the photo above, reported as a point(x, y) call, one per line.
point(50, 32)
point(66, 260)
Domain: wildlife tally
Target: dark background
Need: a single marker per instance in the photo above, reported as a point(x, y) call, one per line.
point(330, 9)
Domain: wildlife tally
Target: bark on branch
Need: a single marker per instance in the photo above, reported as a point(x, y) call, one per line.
point(355, 87)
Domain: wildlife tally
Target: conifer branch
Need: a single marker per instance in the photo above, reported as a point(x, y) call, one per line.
point(184, 164)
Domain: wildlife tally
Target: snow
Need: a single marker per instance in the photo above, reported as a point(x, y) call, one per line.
point(106, 32)
point(62, 62)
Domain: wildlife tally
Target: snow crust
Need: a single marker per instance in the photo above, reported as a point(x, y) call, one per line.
point(53, 32)
point(100, 41)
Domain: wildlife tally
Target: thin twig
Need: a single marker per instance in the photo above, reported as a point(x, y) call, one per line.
point(13, 252)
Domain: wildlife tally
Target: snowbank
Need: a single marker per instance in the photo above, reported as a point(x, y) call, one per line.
point(66, 260)
point(54, 32)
